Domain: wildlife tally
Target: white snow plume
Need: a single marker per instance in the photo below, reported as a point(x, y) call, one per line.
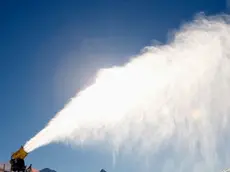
point(175, 95)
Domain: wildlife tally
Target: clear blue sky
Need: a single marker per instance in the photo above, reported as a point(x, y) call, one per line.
point(50, 49)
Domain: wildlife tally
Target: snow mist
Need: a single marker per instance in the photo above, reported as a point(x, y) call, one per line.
point(175, 95)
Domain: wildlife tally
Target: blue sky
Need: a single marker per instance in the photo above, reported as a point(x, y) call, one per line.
point(51, 49)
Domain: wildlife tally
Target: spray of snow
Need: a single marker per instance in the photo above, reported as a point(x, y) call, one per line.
point(176, 94)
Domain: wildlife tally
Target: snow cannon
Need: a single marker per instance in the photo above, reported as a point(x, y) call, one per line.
point(17, 161)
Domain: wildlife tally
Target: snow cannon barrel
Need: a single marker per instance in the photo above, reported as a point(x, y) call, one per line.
point(20, 154)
